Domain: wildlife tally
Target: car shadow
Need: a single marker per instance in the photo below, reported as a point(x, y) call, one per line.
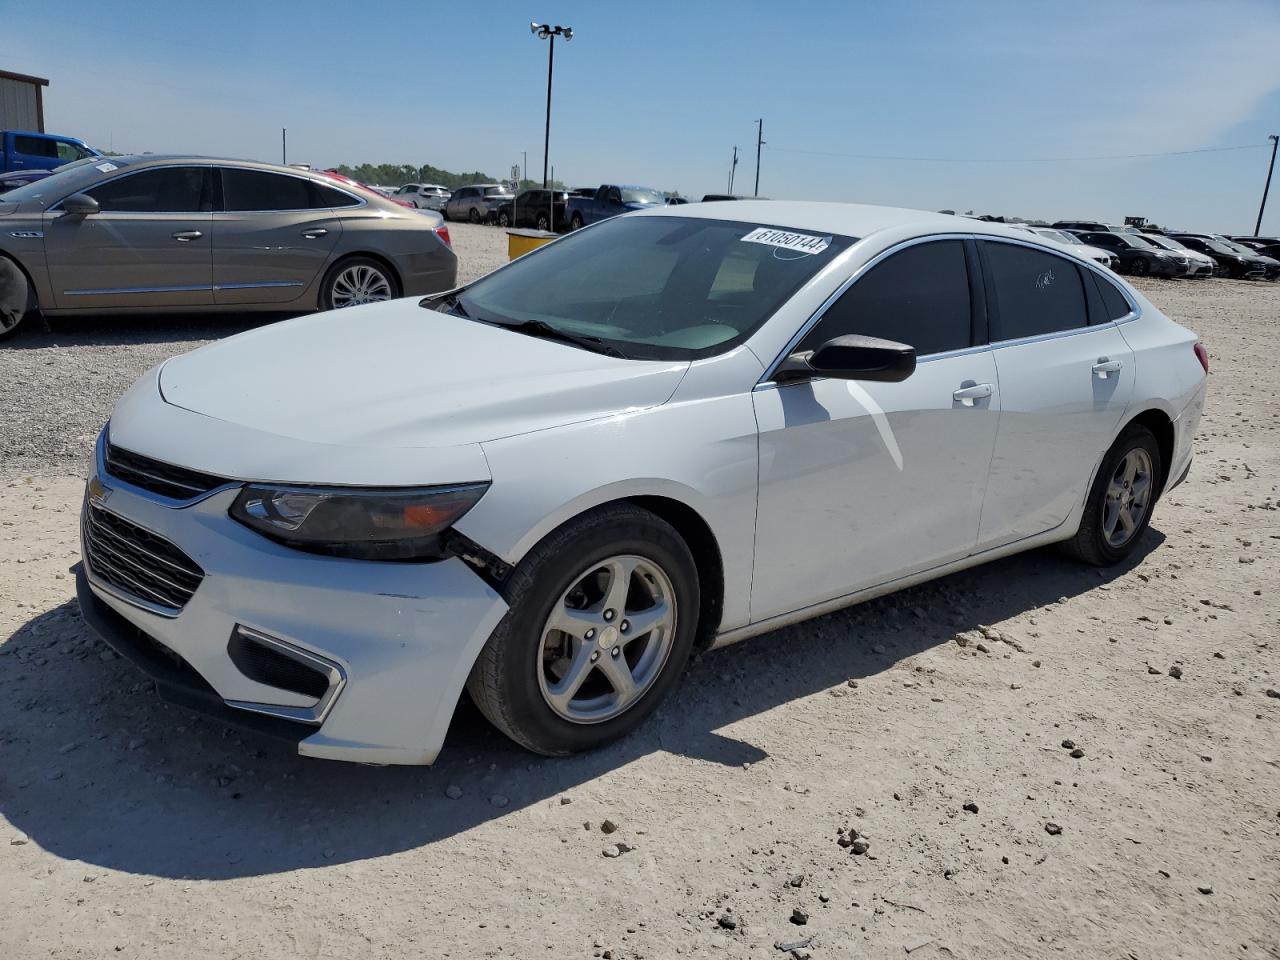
point(97, 769)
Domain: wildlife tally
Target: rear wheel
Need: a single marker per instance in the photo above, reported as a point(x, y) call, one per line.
point(601, 622)
point(576, 222)
point(355, 281)
point(1118, 510)
point(474, 215)
point(543, 222)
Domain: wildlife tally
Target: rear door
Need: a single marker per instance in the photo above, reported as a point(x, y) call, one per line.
point(1064, 385)
point(149, 246)
point(273, 235)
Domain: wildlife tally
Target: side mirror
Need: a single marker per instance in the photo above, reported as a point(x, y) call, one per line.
point(851, 357)
point(81, 205)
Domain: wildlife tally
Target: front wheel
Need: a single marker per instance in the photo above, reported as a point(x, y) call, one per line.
point(355, 281)
point(1139, 267)
point(601, 621)
point(1120, 502)
point(503, 219)
point(16, 297)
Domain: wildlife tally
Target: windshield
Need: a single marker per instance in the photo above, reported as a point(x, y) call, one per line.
point(1237, 247)
point(66, 179)
point(656, 288)
point(1165, 242)
point(641, 195)
point(1135, 240)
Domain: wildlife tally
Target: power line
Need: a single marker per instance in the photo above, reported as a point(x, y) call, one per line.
point(1114, 156)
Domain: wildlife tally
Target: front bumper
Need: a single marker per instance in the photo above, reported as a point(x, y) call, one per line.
point(403, 634)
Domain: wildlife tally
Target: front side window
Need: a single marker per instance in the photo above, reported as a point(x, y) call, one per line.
point(69, 152)
point(160, 190)
point(1035, 292)
point(655, 287)
point(918, 296)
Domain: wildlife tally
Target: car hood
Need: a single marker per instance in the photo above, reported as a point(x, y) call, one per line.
point(396, 374)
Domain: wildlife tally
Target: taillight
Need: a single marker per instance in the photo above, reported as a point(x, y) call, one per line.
point(1202, 355)
point(442, 232)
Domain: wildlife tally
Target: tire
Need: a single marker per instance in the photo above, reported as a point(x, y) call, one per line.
point(342, 276)
point(542, 222)
point(513, 680)
point(474, 215)
point(1139, 267)
point(17, 299)
point(576, 222)
point(503, 219)
point(1092, 542)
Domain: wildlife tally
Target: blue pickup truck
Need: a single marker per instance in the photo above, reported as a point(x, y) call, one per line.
point(26, 155)
point(609, 200)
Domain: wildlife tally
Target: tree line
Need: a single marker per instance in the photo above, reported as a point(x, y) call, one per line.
point(398, 174)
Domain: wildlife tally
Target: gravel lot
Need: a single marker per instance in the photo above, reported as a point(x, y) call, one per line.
point(939, 724)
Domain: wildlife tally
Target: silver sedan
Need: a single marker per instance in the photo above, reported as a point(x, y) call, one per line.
point(172, 234)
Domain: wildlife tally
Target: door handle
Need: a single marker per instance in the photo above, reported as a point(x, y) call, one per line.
point(186, 236)
point(977, 391)
point(315, 233)
point(1106, 366)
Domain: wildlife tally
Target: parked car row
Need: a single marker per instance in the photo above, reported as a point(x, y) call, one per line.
point(1180, 254)
point(178, 234)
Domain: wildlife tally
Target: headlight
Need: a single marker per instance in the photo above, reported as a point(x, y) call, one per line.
point(390, 524)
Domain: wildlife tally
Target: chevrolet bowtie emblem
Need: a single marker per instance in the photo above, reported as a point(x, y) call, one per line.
point(98, 492)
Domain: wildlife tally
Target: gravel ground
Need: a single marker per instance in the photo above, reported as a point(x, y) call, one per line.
point(1028, 760)
point(58, 385)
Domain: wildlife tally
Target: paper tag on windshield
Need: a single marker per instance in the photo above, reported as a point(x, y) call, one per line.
point(798, 242)
point(106, 167)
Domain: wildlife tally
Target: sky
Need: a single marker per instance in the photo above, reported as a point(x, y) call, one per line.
point(984, 106)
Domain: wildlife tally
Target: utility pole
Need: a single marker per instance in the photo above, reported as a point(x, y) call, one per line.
point(1275, 140)
point(545, 31)
point(524, 167)
point(284, 147)
point(759, 143)
point(733, 168)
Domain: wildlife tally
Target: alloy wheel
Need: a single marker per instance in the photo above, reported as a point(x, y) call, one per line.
point(360, 283)
point(542, 221)
point(607, 639)
point(1128, 497)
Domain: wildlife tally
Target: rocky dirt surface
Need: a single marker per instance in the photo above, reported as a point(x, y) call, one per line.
point(1030, 759)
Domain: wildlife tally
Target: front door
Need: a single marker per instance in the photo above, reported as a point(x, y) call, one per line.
point(149, 246)
point(864, 482)
point(273, 236)
point(1064, 385)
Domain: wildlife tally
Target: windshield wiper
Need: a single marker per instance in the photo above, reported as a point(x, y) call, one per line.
point(452, 301)
point(540, 328)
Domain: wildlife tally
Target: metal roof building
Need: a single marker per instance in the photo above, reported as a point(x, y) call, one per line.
point(21, 101)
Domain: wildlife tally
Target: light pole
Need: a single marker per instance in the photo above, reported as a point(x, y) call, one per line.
point(1275, 141)
point(759, 143)
point(545, 31)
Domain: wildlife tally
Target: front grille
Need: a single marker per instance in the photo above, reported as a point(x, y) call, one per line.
point(176, 483)
point(266, 664)
point(136, 561)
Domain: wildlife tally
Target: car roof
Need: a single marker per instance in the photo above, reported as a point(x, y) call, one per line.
point(846, 219)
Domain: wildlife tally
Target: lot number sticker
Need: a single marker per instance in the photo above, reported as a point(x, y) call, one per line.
point(801, 243)
point(106, 167)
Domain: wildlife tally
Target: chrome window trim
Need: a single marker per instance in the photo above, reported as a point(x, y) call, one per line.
point(1134, 310)
point(108, 479)
point(359, 201)
point(131, 171)
point(818, 314)
point(314, 714)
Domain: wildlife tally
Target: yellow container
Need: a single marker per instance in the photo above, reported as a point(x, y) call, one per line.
point(520, 242)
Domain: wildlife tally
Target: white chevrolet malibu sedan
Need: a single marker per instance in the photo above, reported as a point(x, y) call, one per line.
point(669, 431)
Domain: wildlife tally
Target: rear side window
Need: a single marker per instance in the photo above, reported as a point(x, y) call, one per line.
point(161, 190)
point(1114, 305)
point(322, 196)
point(245, 191)
point(36, 147)
point(918, 296)
point(1035, 292)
